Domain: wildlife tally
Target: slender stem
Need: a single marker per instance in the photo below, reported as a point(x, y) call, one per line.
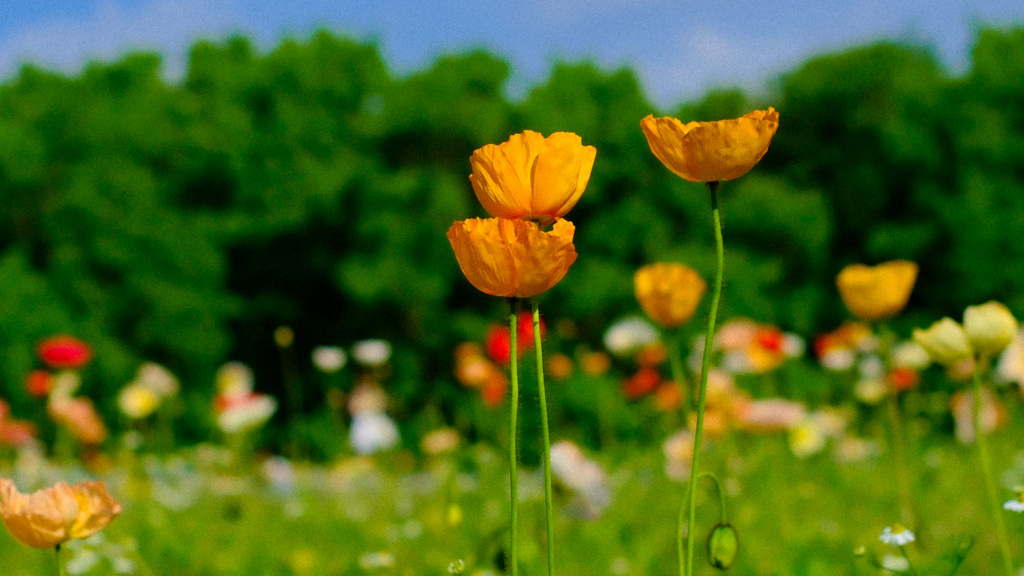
point(910, 565)
point(986, 468)
point(897, 439)
point(716, 295)
point(547, 439)
point(675, 359)
point(721, 495)
point(61, 571)
point(512, 431)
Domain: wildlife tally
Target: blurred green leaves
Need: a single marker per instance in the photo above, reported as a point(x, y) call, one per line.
point(307, 186)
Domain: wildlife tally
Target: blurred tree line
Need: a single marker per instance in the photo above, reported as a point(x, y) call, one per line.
point(310, 187)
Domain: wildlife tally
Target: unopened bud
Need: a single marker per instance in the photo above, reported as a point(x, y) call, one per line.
point(723, 545)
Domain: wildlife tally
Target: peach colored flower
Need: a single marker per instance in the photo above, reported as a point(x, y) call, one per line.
point(711, 151)
point(512, 258)
point(532, 177)
point(80, 418)
point(54, 515)
point(877, 292)
point(668, 292)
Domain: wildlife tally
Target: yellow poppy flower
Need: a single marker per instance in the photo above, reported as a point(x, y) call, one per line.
point(877, 292)
point(532, 177)
point(512, 258)
point(711, 151)
point(669, 293)
point(54, 515)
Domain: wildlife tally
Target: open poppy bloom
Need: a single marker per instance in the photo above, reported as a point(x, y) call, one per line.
point(54, 515)
point(669, 292)
point(512, 258)
point(532, 177)
point(711, 151)
point(877, 292)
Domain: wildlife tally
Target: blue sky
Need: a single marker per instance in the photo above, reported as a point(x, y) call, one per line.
point(679, 48)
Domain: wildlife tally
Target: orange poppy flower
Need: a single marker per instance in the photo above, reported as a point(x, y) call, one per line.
point(54, 515)
point(512, 258)
point(668, 292)
point(877, 292)
point(711, 151)
point(532, 177)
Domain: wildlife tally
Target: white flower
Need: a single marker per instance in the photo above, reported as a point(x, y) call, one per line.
point(893, 563)
point(583, 477)
point(376, 560)
point(629, 335)
point(806, 438)
point(870, 390)
point(871, 367)
point(896, 535)
point(1011, 361)
point(234, 379)
point(793, 346)
point(1015, 505)
point(372, 432)
point(158, 379)
point(244, 413)
point(329, 359)
point(910, 354)
point(372, 353)
point(838, 360)
point(678, 452)
point(138, 401)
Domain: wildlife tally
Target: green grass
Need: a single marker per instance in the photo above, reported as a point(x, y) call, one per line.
point(391, 515)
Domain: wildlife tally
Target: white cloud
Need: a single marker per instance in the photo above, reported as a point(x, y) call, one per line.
point(112, 28)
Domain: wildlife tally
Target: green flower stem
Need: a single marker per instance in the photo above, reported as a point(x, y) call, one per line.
point(721, 496)
point(675, 359)
point(61, 571)
point(512, 431)
point(547, 439)
point(910, 565)
point(724, 518)
point(716, 295)
point(897, 437)
point(986, 468)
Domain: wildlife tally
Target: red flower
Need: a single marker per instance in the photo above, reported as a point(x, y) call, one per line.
point(645, 381)
point(771, 339)
point(498, 341)
point(64, 352)
point(493, 391)
point(39, 383)
point(903, 378)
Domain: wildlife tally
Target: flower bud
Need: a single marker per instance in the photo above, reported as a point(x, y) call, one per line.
point(946, 341)
point(723, 545)
point(990, 327)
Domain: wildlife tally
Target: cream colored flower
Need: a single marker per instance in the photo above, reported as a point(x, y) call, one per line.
point(137, 401)
point(990, 327)
point(946, 341)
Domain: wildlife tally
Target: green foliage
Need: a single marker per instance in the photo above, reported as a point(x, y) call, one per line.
point(308, 187)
